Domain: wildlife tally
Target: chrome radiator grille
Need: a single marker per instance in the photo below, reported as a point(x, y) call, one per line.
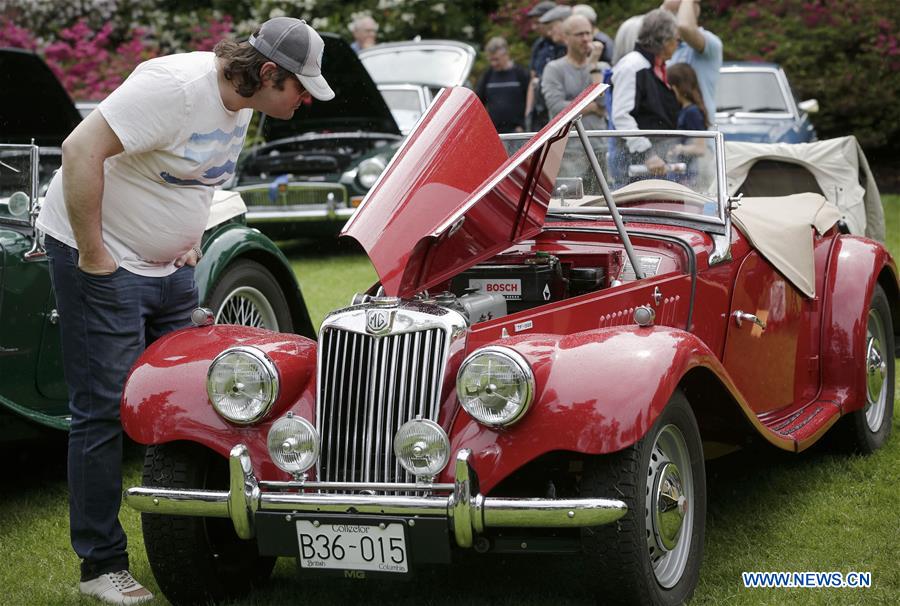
point(368, 387)
point(257, 196)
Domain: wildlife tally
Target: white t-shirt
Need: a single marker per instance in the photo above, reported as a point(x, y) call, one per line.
point(180, 142)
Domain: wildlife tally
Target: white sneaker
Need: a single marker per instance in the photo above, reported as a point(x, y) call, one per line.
point(116, 588)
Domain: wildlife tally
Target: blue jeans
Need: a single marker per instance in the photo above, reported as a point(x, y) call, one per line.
point(105, 324)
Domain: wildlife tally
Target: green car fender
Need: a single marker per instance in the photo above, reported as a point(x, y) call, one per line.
point(229, 242)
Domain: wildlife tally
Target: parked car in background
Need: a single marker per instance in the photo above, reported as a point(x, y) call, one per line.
point(308, 174)
point(554, 342)
point(243, 277)
point(410, 74)
point(86, 107)
point(755, 102)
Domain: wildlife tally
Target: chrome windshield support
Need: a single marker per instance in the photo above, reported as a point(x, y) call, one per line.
point(610, 203)
point(37, 251)
point(722, 252)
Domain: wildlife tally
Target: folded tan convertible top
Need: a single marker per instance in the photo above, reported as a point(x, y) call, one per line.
point(838, 165)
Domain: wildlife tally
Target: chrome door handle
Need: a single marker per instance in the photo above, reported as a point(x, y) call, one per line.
point(741, 316)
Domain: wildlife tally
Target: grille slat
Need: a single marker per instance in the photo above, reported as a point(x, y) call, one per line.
point(368, 387)
point(296, 195)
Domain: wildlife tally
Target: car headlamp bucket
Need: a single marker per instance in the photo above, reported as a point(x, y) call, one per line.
point(422, 447)
point(242, 384)
point(18, 204)
point(293, 444)
point(495, 385)
point(369, 170)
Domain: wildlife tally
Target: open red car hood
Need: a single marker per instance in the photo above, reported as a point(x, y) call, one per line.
point(451, 198)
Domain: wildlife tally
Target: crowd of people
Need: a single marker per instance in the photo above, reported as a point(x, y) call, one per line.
point(663, 68)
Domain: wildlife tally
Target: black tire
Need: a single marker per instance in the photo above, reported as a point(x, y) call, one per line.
point(196, 560)
point(247, 293)
point(867, 429)
point(618, 558)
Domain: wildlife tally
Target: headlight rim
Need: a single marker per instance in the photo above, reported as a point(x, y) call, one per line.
point(291, 417)
point(520, 361)
point(374, 160)
point(445, 438)
point(270, 367)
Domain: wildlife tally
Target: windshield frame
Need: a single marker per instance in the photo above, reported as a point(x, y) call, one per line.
point(33, 153)
point(718, 226)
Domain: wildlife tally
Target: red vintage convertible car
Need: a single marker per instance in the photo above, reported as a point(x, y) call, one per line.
point(557, 338)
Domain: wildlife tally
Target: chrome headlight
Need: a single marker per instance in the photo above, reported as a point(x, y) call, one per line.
point(422, 447)
point(293, 444)
point(495, 385)
point(242, 384)
point(369, 170)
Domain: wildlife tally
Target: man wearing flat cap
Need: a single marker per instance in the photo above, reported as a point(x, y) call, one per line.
point(550, 46)
point(540, 8)
point(123, 220)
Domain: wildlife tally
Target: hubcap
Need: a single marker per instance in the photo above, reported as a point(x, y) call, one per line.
point(247, 306)
point(668, 508)
point(876, 372)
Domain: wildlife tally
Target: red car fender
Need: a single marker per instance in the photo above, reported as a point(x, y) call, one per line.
point(159, 406)
point(595, 392)
point(855, 266)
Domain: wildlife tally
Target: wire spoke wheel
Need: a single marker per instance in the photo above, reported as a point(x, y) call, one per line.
point(248, 294)
point(247, 306)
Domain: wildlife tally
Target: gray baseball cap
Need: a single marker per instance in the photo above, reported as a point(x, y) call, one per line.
point(295, 46)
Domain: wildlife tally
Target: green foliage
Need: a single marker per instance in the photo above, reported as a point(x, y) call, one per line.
point(845, 53)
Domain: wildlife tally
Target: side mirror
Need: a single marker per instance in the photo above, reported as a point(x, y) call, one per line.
point(809, 106)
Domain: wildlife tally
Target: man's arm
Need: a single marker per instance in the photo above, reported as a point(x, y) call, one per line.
point(529, 94)
point(687, 26)
point(552, 87)
point(83, 154)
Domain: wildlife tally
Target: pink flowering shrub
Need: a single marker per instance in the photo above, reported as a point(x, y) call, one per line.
point(14, 36)
point(90, 64)
point(204, 36)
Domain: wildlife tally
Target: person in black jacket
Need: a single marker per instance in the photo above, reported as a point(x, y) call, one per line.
point(641, 96)
point(503, 87)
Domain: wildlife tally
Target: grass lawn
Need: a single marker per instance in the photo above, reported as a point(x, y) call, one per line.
point(768, 511)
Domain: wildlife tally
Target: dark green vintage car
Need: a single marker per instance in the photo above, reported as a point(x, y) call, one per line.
point(308, 175)
point(242, 277)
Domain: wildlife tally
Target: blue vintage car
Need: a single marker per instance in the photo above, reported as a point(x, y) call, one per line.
point(755, 103)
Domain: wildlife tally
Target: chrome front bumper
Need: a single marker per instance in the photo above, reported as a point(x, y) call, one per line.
point(467, 511)
point(297, 214)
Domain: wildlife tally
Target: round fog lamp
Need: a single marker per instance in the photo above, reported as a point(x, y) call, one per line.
point(422, 447)
point(293, 444)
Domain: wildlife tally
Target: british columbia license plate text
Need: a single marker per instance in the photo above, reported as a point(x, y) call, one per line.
point(352, 546)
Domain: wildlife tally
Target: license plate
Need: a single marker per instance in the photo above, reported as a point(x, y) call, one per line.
point(352, 546)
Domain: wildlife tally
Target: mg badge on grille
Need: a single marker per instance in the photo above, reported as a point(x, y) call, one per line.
point(379, 321)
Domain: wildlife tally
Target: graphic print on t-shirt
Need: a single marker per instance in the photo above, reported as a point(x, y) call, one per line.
point(217, 149)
